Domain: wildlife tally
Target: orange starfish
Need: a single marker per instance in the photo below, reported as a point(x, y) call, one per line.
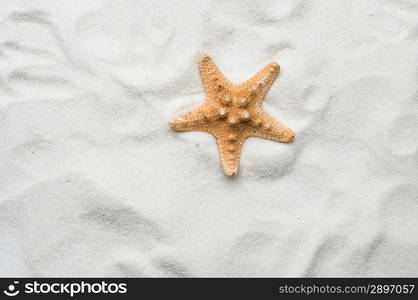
point(232, 112)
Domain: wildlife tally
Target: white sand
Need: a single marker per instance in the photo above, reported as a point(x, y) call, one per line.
point(93, 182)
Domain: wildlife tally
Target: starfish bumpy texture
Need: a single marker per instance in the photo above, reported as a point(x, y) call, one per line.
point(232, 112)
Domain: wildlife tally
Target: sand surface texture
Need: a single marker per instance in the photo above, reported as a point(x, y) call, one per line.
point(94, 183)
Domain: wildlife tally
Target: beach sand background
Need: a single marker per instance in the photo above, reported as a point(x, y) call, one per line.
point(94, 183)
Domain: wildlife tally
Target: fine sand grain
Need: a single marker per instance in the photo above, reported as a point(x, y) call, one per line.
point(94, 183)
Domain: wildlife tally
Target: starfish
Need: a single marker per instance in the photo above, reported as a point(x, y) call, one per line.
point(232, 112)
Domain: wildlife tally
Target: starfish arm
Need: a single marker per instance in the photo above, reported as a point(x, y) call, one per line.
point(229, 151)
point(260, 83)
point(268, 128)
point(195, 120)
point(213, 80)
